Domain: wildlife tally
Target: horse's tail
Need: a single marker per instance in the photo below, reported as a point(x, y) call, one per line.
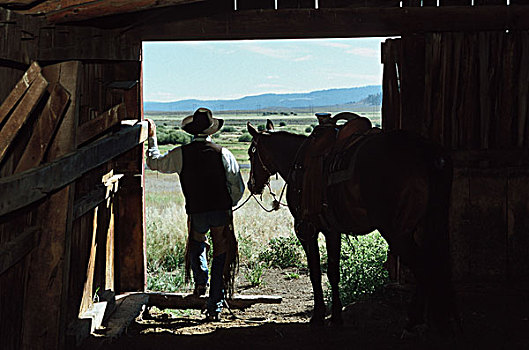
point(437, 237)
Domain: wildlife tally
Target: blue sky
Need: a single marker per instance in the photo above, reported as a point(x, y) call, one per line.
point(233, 69)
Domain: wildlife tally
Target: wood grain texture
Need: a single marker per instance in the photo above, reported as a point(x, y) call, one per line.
point(21, 113)
point(101, 123)
point(15, 250)
point(40, 182)
point(44, 129)
point(44, 308)
point(18, 91)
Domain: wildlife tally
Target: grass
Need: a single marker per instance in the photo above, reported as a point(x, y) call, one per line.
point(266, 240)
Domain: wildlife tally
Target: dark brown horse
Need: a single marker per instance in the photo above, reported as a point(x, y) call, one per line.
point(398, 183)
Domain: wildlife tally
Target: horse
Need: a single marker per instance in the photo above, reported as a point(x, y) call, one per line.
point(398, 184)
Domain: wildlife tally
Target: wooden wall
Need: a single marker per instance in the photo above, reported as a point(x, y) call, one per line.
point(75, 235)
point(468, 92)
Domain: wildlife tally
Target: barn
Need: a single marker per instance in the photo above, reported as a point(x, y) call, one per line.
point(71, 137)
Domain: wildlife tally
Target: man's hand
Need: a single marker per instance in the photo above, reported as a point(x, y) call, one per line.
point(152, 127)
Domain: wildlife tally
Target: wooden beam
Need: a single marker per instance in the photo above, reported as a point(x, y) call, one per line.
point(85, 10)
point(189, 301)
point(19, 90)
point(101, 123)
point(331, 23)
point(21, 113)
point(44, 128)
point(13, 251)
point(40, 182)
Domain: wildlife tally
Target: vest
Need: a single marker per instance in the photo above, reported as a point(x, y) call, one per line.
point(203, 178)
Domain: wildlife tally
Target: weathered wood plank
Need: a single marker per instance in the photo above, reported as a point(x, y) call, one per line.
point(517, 224)
point(128, 308)
point(349, 22)
point(96, 196)
point(18, 91)
point(101, 123)
point(284, 4)
point(40, 182)
point(130, 233)
point(44, 129)
point(76, 10)
point(25, 39)
point(189, 301)
point(45, 305)
point(16, 249)
point(21, 113)
point(87, 298)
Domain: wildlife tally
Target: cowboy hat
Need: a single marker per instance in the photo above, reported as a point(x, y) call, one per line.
point(201, 122)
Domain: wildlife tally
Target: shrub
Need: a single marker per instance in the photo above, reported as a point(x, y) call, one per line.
point(283, 252)
point(246, 137)
point(174, 137)
point(228, 129)
point(282, 124)
point(361, 267)
point(254, 273)
point(308, 129)
point(261, 127)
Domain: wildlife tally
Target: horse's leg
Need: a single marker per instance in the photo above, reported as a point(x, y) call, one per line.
point(405, 247)
point(309, 241)
point(333, 242)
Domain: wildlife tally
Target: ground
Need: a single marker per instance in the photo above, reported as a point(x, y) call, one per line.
point(374, 323)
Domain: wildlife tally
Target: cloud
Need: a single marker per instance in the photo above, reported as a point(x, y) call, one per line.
point(364, 52)
point(335, 44)
point(303, 58)
point(287, 54)
point(270, 77)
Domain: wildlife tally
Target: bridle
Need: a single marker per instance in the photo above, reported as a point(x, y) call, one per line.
point(255, 152)
point(269, 173)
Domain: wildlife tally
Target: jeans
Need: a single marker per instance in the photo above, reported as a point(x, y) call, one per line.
point(202, 223)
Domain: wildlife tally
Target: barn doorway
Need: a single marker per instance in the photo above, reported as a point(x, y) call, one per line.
point(286, 81)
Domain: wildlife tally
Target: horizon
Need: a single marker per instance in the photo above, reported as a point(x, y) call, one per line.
point(266, 93)
point(228, 70)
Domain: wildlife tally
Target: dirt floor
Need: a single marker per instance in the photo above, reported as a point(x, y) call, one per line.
point(492, 322)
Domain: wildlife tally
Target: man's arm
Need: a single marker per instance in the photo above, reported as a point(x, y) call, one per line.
point(170, 162)
point(233, 176)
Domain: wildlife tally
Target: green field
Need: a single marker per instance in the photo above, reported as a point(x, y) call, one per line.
point(235, 126)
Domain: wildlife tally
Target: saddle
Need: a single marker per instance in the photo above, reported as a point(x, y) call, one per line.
point(329, 157)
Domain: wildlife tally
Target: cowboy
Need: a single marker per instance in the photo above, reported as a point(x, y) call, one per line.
point(212, 184)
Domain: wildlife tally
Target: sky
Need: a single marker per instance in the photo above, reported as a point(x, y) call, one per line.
point(175, 71)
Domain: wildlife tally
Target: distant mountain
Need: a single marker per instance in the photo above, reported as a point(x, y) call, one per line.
point(266, 101)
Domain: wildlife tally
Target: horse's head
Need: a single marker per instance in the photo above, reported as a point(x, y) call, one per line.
point(261, 166)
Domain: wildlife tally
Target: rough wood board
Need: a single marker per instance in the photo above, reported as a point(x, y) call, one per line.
point(45, 306)
point(21, 113)
point(44, 129)
point(130, 235)
point(101, 123)
point(128, 308)
point(40, 182)
point(87, 298)
point(19, 90)
point(13, 251)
